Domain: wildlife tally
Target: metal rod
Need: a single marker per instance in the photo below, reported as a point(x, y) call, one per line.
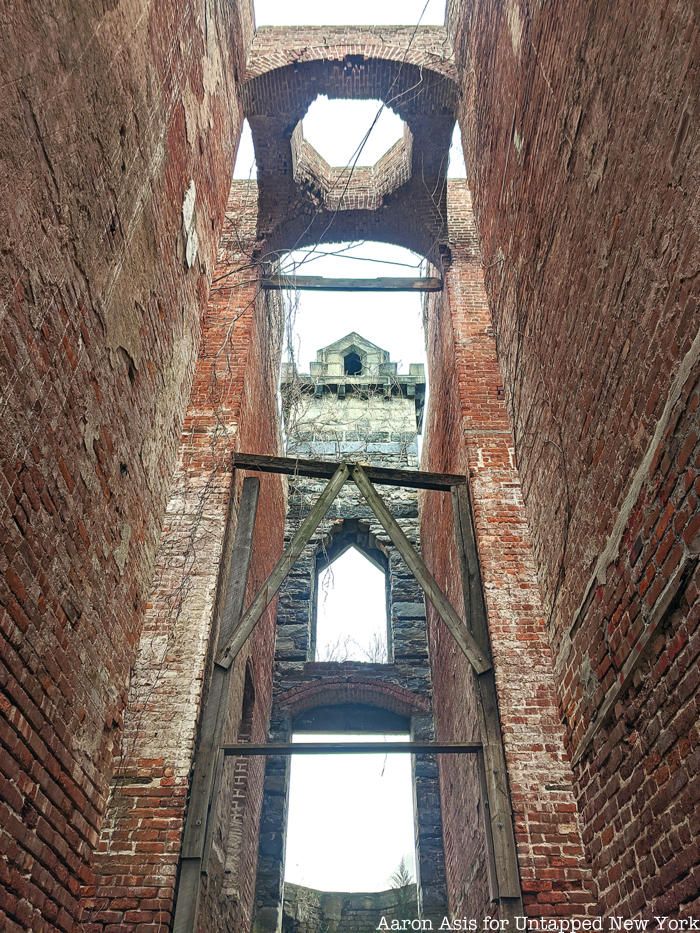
point(353, 748)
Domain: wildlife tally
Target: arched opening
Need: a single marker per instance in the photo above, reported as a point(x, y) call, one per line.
point(351, 818)
point(351, 620)
point(370, 129)
point(353, 388)
point(353, 363)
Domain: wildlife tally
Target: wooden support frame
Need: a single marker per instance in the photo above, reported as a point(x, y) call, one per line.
point(504, 875)
point(269, 589)
point(213, 716)
point(383, 284)
point(236, 626)
point(477, 657)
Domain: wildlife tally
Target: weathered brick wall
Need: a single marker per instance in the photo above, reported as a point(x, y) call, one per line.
point(468, 431)
point(582, 152)
point(109, 112)
point(233, 406)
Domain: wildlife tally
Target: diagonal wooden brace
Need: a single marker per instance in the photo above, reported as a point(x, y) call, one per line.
point(472, 650)
point(282, 567)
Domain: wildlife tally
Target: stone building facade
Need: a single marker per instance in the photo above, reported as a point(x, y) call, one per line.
point(353, 405)
point(306, 910)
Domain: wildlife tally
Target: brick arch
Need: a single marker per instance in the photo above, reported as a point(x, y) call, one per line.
point(346, 689)
point(410, 91)
point(401, 199)
point(416, 230)
point(424, 48)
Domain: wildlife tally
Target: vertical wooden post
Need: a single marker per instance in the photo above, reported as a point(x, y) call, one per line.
point(500, 836)
point(214, 715)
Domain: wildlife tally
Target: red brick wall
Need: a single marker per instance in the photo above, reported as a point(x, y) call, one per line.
point(108, 114)
point(583, 159)
point(468, 432)
point(233, 406)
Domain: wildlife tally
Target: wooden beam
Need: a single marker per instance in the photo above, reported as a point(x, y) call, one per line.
point(491, 870)
point(279, 572)
point(669, 598)
point(321, 283)
point(213, 717)
point(353, 748)
point(504, 876)
point(324, 469)
point(460, 633)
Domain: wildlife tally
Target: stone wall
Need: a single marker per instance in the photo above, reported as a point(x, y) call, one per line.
point(113, 116)
point(308, 911)
point(369, 426)
point(582, 151)
point(360, 423)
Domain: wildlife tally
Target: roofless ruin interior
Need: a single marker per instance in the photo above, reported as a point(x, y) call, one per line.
point(349, 390)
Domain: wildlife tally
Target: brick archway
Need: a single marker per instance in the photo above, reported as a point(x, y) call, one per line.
point(346, 689)
point(303, 200)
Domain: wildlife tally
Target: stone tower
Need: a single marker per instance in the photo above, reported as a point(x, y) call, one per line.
point(353, 404)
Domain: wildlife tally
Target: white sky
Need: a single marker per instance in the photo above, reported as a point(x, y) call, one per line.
point(338, 128)
point(392, 320)
point(359, 12)
point(345, 632)
point(350, 817)
point(320, 125)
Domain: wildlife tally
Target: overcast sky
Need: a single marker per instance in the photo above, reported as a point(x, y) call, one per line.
point(359, 12)
point(351, 817)
point(343, 633)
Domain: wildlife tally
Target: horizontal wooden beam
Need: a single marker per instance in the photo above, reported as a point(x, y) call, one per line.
point(324, 469)
point(353, 748)
point(321, 283)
